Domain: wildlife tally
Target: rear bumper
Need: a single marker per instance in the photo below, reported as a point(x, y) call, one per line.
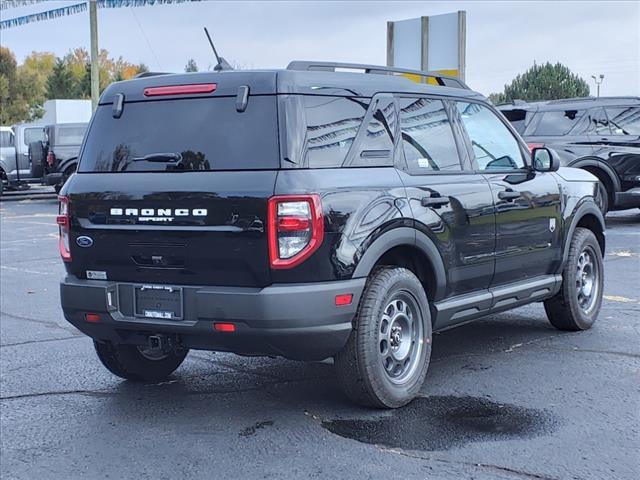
point(628, 199)
point(298, 321)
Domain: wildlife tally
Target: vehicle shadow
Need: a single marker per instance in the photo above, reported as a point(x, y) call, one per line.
point(239, 385)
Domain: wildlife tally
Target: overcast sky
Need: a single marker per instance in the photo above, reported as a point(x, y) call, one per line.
point(503, 38)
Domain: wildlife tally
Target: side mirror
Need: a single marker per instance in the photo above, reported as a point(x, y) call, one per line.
point(543, 160)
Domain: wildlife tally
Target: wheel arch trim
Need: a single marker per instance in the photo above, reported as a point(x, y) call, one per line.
point(599, 164)
point(404, 236)
point(581, 211)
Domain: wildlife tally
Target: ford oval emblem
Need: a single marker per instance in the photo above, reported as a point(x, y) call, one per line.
point(84, 242)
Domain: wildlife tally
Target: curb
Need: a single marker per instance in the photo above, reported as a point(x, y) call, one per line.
point(30, 197)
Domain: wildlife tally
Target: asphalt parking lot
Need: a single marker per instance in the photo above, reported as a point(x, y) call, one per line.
point(507, 397)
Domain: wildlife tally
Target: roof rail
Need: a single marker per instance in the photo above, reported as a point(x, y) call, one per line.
point(442, 80)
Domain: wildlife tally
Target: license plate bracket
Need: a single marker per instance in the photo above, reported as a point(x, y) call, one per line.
point(158, 302)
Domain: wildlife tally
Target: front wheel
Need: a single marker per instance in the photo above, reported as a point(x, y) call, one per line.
point(385, 361)
point(138, 363)
point(577, 304)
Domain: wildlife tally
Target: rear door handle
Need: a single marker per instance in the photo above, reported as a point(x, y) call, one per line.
point(508, 195)
point(434, 200)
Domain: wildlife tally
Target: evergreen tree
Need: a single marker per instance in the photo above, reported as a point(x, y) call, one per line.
point(191, 66)
point(60, 81)
point(543, 82)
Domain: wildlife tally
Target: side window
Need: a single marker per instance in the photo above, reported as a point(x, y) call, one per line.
point(598, 123)
point(376, 144)
point(494, 146)
point(624, 120)
point(33, 135)
point(561, 122)
point(6, 139)
point(331, 127)
point(427, 137)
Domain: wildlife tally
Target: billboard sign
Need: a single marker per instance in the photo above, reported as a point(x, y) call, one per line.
point(435, 43)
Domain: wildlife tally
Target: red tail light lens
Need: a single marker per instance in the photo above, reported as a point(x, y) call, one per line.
point(63, 226)
point(180, 89)
point(296, 229)
point(224, 327)
point(51, 159)
point(532, 146)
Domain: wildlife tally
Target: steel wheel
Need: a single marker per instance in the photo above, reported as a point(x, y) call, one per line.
point(400, 337)
point(587, 280)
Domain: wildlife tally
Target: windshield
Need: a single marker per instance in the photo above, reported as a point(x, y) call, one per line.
point(187, 134)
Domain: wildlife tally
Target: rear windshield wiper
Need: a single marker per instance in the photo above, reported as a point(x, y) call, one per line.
point(159, 157)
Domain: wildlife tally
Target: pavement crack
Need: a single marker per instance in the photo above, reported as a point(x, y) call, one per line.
point(487, 466)
point(28, 342)
point(90, 393)
point(589, 350)
point(46, 323)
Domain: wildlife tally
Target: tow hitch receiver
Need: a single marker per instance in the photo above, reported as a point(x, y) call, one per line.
point(162, 343)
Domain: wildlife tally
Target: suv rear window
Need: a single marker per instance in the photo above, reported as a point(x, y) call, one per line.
point(517, 117)
point(187, 134)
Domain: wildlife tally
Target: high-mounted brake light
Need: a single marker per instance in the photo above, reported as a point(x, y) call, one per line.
point(180, 89)
point(63, 227)
point(296, 229)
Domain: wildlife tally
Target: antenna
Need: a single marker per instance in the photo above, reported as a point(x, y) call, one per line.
point(222, 63)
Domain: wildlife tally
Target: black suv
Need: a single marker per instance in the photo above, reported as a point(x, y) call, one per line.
point(599, 135)
point(314, 213)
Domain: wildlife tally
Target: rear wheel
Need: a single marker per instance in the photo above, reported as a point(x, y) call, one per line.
point(138, 363)
point(577, 304)
point(385, 361)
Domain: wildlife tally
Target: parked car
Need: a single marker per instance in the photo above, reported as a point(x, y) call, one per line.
point(7, 152)
point(599, 135)
point(57, 155)
point(17, 168)
point(310, 213)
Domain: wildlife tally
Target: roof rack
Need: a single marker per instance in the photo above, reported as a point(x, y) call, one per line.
point(442, 80)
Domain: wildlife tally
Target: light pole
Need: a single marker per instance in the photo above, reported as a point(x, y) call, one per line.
point(95, 68)
point(595, 79)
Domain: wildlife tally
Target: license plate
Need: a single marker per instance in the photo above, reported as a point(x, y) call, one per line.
point(158, 302)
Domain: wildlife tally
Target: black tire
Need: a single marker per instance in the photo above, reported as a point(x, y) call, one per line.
point(603, 197)
point(362, 368)
point(36, 156)
point(570, 309)
point(128, 362)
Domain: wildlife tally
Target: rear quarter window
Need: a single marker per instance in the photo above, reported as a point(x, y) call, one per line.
point(187, 134)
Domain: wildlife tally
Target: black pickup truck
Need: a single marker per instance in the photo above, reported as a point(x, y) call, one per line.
point(314, 212)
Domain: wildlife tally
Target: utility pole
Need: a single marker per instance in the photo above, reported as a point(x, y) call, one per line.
point(95, 68)
point(595, 79)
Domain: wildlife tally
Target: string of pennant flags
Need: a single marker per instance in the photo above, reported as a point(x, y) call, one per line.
point(70, 9)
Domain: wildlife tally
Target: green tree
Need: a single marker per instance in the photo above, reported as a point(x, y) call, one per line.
point(543, 82)
point(82, 88)
point(14, 93)
point(191, 66)
point(60, 83)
